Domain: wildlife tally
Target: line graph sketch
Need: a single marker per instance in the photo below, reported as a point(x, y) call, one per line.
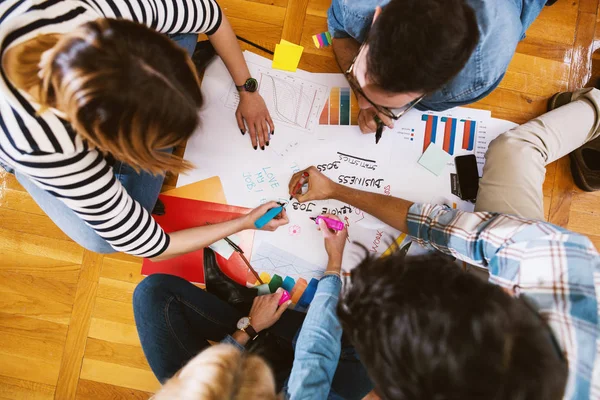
point(273, 260)
point(290, 99)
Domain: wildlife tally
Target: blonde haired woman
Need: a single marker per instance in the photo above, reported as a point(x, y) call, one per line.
point(176, 320)
point(221, 372)
point(93, 98)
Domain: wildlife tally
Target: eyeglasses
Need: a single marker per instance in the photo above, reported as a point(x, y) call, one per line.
point(349, 74)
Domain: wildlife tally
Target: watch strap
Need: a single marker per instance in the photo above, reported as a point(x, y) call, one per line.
point(251, 332)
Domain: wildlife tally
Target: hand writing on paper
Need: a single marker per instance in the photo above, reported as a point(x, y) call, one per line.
point(367, 123)
point(266, 311)
point(320, 187)
point(253, 110)
point(335, 241)
point(258, 212)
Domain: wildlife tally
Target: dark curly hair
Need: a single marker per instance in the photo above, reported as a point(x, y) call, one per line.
point(419, 45)
point(425, 329)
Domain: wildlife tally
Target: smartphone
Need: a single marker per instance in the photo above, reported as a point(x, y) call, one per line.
point(468, 176)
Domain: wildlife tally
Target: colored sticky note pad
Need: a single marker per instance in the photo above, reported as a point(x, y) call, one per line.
point(263, 289)
point(298, 290)
point(287, 56)
point(288, 283)
point(434, 159)
point(266, 278)
point(275, 283)
point(322, 40)
point(308, 294)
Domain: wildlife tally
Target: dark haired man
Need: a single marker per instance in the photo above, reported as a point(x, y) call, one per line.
point(430, 54)
point(425, 329)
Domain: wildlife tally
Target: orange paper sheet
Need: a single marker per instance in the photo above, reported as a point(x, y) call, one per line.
point(209, 189)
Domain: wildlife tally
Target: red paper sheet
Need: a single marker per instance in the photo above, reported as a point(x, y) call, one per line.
point(185, 213)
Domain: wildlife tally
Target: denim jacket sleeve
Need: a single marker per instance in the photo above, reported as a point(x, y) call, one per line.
point(319, 344)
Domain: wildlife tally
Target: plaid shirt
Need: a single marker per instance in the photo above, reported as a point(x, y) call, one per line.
point(558, 269)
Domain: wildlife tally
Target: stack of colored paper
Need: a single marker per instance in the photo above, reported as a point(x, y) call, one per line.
point(322, 40)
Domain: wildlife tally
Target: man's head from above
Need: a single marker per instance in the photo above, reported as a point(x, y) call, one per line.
point(413, 48)
point(425, 329)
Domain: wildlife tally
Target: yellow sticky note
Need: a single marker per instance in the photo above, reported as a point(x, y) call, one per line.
point(287, 56)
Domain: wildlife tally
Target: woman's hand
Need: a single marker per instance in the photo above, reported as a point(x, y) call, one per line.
point(258, 212)
point(253, 110)
point(335, 241)
point(266, 310)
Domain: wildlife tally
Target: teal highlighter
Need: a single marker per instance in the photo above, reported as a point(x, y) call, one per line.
point(269, 215)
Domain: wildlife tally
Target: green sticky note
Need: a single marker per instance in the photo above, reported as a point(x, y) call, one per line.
point(275, 283)
point(434, 159)
point(287, 56)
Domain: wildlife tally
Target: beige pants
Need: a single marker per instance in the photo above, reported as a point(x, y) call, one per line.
point(516, 161)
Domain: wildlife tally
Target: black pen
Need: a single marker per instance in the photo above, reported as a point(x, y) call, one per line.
point(379, 128)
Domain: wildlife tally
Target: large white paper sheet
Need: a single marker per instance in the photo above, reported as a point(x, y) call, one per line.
point(252, 177)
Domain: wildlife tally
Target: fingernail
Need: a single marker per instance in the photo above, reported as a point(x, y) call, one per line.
point(243, 133)
point(267, 143)
point(278, 290)
point(288, 302)
point(255, 147)
point(262, 147)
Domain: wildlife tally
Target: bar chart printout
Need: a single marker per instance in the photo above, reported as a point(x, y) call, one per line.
point(341, 108)
point(431, 122)
point(449, 134)
point(469, 134)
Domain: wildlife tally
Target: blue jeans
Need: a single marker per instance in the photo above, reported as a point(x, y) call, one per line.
point(175, 321)
point(142, 187)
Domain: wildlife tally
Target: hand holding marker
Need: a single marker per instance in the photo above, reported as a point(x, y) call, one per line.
point(273, 212)
point(331, 223)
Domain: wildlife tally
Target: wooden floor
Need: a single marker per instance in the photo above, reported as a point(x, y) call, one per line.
point(66, 321)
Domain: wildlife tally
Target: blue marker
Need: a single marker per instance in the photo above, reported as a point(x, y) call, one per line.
point(269, 215)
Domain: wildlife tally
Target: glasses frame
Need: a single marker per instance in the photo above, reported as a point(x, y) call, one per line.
point(349, 74)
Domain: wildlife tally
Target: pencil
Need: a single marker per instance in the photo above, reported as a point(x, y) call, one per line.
point(239, 250)
point(250, 267)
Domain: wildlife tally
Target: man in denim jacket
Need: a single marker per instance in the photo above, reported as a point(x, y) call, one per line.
point(430, 54)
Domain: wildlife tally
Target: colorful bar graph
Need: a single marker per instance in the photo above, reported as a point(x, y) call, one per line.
point(334, 106)
point(341, 108)
point(324, 119)
point(449, 134)
point(344, 106)
point(469, 134)
point(430, 129)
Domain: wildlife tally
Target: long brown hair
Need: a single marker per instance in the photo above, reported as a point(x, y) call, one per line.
point(126, 89)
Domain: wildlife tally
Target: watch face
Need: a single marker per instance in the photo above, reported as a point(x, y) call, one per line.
point(243, 323)
point(251, 85)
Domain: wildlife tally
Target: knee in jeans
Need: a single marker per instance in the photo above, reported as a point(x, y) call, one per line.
point(152, 290)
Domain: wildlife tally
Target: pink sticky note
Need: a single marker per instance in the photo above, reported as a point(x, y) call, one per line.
point(285, 296)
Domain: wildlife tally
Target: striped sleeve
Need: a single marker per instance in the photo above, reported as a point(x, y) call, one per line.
point(165, 16)
point(86, 184)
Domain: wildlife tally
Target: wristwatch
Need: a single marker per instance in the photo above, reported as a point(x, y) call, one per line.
point(251, 85)
point(244, 325)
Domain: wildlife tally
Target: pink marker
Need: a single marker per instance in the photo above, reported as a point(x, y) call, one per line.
point(331, 223)
point(285, 296)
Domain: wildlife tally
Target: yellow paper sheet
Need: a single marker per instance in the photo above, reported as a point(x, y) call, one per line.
point(209, 189)
point(287, 56)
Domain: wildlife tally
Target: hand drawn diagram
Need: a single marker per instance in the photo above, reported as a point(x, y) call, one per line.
point(290, 99)
point(273, 260)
